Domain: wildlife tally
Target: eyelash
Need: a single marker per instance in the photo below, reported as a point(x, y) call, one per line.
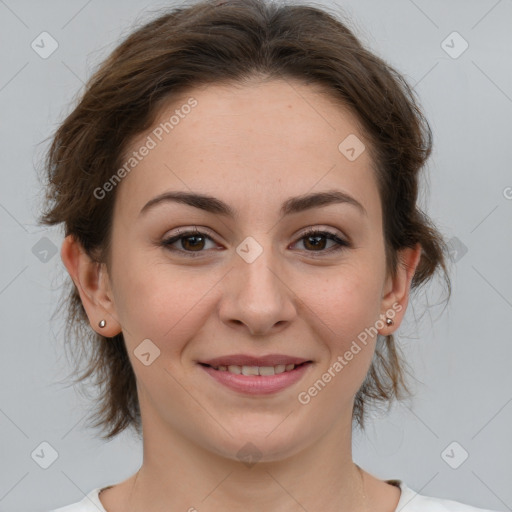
point(341, 244)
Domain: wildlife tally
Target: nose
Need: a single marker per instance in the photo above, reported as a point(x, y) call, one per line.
point(257, 297)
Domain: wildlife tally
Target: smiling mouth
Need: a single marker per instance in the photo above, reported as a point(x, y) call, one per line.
point(257, 370)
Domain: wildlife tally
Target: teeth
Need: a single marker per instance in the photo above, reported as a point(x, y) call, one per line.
point(256, 370)
point(250, 370)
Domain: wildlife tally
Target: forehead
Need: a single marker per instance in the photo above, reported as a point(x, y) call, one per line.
point(252, 146)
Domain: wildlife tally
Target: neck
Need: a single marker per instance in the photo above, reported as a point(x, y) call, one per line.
point(178, 474)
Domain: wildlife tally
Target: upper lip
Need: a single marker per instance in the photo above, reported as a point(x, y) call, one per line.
point(247, 360)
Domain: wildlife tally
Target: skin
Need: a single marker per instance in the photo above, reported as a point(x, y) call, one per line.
point(253, 147)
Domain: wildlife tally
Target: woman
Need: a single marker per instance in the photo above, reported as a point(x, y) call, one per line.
point(238, 186)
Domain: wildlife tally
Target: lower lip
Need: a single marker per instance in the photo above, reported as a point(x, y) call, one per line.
point(258, 384)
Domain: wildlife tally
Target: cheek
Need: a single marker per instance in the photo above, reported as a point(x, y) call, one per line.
point(347, 301)
point(159, 301)
point(342, 312)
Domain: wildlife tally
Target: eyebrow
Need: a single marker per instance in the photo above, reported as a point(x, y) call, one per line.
point(292, 205)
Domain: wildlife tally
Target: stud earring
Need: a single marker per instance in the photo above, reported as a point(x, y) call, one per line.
point(102, 323)
point(389, 321)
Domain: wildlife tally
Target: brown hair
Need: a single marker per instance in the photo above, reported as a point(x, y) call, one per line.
point(232, 42)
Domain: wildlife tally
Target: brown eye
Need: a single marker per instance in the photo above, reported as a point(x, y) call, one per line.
point(191, 242)
point(316, 240)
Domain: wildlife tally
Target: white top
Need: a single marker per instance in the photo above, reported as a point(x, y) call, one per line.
point(410, 501)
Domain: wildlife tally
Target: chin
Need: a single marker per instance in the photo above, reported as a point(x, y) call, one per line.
point(260, 445)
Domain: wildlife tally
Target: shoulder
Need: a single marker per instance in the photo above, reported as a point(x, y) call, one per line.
point(90, 503)
point(411, 501)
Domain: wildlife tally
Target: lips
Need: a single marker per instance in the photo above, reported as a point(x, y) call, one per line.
point(260, 377)
point(247, 360)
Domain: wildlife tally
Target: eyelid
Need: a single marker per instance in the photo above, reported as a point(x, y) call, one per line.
point(340, 240)
point(190, 231)
point(186, 232)
point(305, 231)
point(322, 228)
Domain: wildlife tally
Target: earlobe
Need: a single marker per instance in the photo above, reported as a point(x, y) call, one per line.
point(93, 286)
point(396, 299)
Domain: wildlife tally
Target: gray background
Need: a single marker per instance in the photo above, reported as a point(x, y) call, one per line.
point(460, 355)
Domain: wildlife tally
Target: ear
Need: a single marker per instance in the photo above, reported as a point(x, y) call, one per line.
point(396, 290)
point(93, 284)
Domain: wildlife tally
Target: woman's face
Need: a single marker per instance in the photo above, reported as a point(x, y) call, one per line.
point(251, 283)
